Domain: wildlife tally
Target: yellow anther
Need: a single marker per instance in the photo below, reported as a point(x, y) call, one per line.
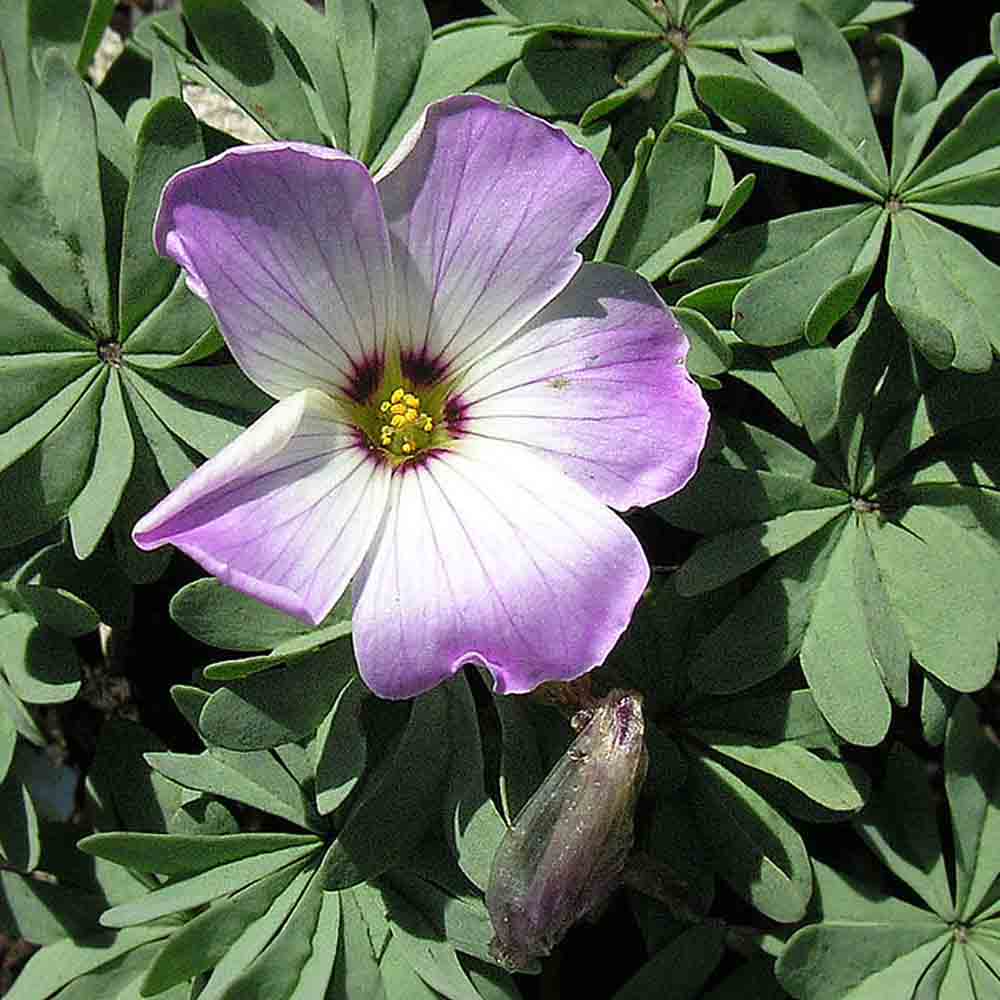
point(385, 406)
point(397, 395)
point(398, 420)
point(398, 408)
point(411, 400)
point(428, 425)
point(410, 416)
point(407, 448)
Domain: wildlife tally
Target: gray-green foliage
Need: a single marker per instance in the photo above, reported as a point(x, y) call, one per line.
point(586, 60)
point(365, 896)
point(844, 565)
point(868, 941)
point(103, 407)
point(870, 537)
point(799, 275)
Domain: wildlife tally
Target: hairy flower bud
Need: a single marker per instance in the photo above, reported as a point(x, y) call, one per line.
point(566, 851)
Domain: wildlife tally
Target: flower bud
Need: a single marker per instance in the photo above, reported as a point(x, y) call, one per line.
point(566, 851)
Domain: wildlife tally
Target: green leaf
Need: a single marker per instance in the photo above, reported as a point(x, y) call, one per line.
point(66, 153)
point(43, 482)
point(764, 630)
point(787, 124)
point(827, 782)
point(683, 967)
point(453, 63)
point(758, 249)
point(561, 82)
point(31, 381)
point(8, 740)
point(274, 972)
point(521, 767)
point(30, 328)
point(689, 240)
point(917, 89)
point(318, 969)
point(727, 557)
point(186, 855)
point(72, 26)
point(397, 802)
point(29, 229)
point(164, 336)
point(899, 826)
point(42, 666)
point(725, 23)
point(207, 886)
point(92, 510)
point(311, 36)
point(972, 201)
point(169, 140)
point(972, 782)
point(641, 70)
point(341, 748)
point(944, 292)
point(473, 826)
point(807, 295)
point(721, 498)
point(19, 840)
point(831, 67)
point(668, 196)
point(67, 961)
point(883, 634)
point(229, 970)
point(860, 959)
point(381, 45)
point(204, 425)
point(969, 148)
point(786, 717)
point(257, 779)
point(205, 940)
point(836, 656)
point(425, 949)
point(943, 594)
point(615, 14)
point(278, 706)
point(213, 613)
point(248, 64)
point(751, 845)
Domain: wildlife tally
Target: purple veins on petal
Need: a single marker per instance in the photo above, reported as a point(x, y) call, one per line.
point(460, 401)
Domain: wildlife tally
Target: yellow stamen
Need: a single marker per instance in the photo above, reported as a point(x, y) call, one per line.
point(407, 448)
point(411, 400)
point(397, 395)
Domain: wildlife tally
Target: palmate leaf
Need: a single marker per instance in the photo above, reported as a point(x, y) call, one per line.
point(267, 915)
point(733, 771)
point(634, 46)
point(798, 276)
point(866, 548)
point(868, 943)
point(62, 912)
point(103, 409)
point(219, 616)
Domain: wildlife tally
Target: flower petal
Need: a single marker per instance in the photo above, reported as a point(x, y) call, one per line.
point(485, 205)
point(596, 383)
point(285, 513)
point(488, 555)
point(287, 243)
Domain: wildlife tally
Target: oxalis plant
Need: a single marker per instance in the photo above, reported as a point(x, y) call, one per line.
point(527, 525)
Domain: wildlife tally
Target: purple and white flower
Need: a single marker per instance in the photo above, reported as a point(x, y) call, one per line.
point(459, 398)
